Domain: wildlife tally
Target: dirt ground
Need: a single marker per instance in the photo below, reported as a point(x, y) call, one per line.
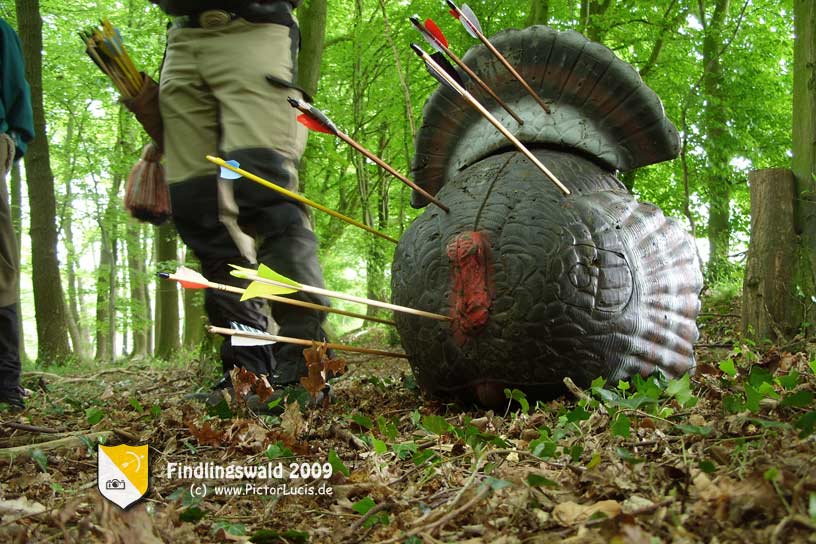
point(726, 457)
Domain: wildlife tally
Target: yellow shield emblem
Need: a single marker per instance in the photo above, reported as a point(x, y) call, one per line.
point(123, 473)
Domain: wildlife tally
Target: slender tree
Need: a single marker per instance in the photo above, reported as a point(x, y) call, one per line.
point(49, 306)
point(804, 147)
point(167, 301)
point(715, 117)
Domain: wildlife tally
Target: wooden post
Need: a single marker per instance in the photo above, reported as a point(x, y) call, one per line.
point(769, 307)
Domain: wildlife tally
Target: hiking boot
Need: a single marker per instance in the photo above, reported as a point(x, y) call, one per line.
point(286, 394)
point(224, 384)
point(13, 398)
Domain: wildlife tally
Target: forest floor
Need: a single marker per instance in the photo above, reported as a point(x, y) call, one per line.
point(725, 457)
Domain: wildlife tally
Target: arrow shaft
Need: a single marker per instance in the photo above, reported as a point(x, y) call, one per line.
point(382, 164)
point(350, 298)
point(481, 83)
point(302, 342)
point(257, 179)
point(290, 301)
point(495, 122)
point(512, 71)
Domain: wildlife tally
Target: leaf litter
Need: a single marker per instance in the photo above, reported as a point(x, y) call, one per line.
point(726, 456)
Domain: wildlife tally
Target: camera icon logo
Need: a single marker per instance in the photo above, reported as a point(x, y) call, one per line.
point(115, 484)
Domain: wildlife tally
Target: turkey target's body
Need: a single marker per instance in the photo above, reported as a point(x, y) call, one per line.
point(582, 286)
point(542, 286)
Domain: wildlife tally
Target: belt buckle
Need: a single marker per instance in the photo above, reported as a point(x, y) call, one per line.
point(214, 18)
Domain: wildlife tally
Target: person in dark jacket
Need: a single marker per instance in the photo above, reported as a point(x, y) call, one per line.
point(228, 70)
point(16, 129)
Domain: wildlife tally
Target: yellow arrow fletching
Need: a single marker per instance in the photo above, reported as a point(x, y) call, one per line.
point(240, 271)
point(258, 289)
point(266, 272)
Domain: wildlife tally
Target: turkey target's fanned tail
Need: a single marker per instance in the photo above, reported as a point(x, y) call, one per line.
point(599, 107)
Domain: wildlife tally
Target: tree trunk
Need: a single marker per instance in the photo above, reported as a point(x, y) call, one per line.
point(312, 18)
point(106, 277)
point(16, 194)
point(139, 307)
point(167, 310)
point(194, 315)
point(769, 307)
point(539, 12)
point(49, 306)
point(715, 117)
point(804, 149)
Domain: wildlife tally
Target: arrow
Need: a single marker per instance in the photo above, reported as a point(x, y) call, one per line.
point(190, 279)
point(300, 341)
point(314, 119)
point(239, 340)
point(435, 71)
point(434, 36)
point(257, 179)
point(264, 274)
point(469, 20)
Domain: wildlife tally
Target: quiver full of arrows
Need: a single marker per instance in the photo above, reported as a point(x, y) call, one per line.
point(543, 286)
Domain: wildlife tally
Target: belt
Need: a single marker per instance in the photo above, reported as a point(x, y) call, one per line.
point(268, 11)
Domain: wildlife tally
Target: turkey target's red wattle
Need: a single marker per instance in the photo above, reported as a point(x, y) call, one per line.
point(543, 286)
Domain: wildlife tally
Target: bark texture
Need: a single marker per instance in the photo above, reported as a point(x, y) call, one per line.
point(769, 308)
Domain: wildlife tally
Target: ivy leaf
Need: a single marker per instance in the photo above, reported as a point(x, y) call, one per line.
point(621, 426)
point(680, 389)
point(537, 480)
point(269, 536)
point(94, 415)
point(695, 429)
point(435, 424)
point(192, 514)
point(801, 399)
point(728, 367)
point(337, 464)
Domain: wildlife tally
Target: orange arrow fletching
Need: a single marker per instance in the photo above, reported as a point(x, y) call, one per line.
point(313, 124)
point(436, 32)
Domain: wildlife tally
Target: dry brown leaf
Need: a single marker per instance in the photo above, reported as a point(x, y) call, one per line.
point(292, 423)
point(264, 389)
point(570, 513)
point(206, 434)
point(20, 506)
point(243, 381)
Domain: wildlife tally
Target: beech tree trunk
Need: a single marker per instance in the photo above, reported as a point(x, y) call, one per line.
point(194, 315)
point(139, 306)
point(539, 12)
point(167, 309)
point(715, 117)
point(769, 307)
point(49, 305)
point(16, 193)
point(804, 151)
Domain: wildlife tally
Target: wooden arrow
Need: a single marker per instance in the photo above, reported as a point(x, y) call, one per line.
point(266, 183)
point(302, 342)
point(190, 279)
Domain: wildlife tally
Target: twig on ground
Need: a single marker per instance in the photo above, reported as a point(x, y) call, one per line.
point(92, 378)
point(67, 442)
point(29, 428)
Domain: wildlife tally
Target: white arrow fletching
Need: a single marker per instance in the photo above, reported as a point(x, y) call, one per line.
point(247, 341)
point(189, 274)
point(470, 21)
